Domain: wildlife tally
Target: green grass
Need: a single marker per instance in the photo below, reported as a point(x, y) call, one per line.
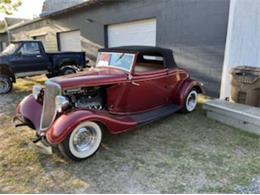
point(26, 84)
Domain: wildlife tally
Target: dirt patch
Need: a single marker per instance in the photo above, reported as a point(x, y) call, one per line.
point(178, 154)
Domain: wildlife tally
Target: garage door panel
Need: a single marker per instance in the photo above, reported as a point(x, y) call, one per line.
point(70, 41)
point(141, 32)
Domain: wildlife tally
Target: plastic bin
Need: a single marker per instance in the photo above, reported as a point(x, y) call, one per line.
point(245, 84)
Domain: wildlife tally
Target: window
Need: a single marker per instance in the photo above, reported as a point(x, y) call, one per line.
point(10, 49)
point(157, 58)
point(29, 49)
point(117, 60)
point(146, 63)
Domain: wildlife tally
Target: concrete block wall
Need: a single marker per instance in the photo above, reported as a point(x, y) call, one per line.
point(194, 29)
point(55, 5)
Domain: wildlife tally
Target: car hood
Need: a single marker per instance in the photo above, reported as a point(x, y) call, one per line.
point(92, 77)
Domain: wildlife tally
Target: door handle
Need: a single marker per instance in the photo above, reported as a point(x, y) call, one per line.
point(134, 83)
point(38, 56)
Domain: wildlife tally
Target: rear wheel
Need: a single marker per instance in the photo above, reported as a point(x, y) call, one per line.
point(83, 142)
point(190, 101)
point(6, 84)
point(67, 71)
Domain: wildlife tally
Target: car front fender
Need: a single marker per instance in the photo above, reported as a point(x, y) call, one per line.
point(29, 111)
point(185, 88)
point(65, 124)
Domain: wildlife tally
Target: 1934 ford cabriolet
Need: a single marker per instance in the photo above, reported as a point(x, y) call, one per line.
point(129, 86)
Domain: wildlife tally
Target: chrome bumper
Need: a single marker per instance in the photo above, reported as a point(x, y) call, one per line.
point(39, 141)
point(20, 121)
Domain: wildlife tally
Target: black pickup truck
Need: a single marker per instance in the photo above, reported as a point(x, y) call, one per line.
point(28, 58)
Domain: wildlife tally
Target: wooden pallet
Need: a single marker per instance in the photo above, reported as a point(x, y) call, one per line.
point(241, 116)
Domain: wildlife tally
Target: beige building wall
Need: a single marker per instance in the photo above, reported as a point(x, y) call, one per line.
point(50, 28)
point(37, 28)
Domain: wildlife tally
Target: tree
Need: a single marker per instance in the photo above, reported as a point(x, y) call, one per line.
point(9, 6)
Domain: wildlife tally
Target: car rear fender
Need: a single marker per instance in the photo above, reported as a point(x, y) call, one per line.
point(65, 124)
point(185, 88)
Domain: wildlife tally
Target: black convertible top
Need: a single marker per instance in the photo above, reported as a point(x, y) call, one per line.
point(146, 50)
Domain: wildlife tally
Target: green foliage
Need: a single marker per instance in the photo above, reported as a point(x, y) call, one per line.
point(8, 6)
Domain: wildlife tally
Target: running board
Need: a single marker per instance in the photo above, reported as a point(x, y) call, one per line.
point(155, 114)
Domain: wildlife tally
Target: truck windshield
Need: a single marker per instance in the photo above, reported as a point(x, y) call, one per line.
point(10, 49)
point(118, 60)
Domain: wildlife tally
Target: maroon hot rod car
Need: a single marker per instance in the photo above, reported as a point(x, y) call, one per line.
point(129, 86)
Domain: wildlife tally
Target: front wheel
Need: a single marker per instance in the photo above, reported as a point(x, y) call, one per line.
point(83, 142)
point(6, 84)
point(191, 101)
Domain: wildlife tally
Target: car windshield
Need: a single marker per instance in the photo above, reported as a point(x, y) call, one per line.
point(118, 60)
point(10, 49)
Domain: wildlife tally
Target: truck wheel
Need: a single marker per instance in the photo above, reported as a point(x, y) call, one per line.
point(83, 142)
point(51, 75)
point(190, 101)
point(6, 84)
point(66, 71)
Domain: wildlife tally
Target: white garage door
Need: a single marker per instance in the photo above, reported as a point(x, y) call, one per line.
point(142, 32)
point(70, 41)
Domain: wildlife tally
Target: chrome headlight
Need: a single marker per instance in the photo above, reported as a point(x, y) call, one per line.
point(36, 90)
point(61, 103)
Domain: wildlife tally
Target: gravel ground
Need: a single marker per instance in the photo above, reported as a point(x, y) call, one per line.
point(178, 154)
point(252, 188)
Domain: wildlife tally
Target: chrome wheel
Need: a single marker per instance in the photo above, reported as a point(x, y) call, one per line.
point(85, 140)
point(191, 101)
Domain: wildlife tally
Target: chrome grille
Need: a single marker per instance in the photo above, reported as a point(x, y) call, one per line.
point(49, 109)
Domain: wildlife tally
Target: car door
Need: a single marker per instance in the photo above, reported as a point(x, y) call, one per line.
point(29, 59)
point(146, 89)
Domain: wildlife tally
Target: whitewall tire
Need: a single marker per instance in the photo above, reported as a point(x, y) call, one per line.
point(83, 142)
point(191, 101)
